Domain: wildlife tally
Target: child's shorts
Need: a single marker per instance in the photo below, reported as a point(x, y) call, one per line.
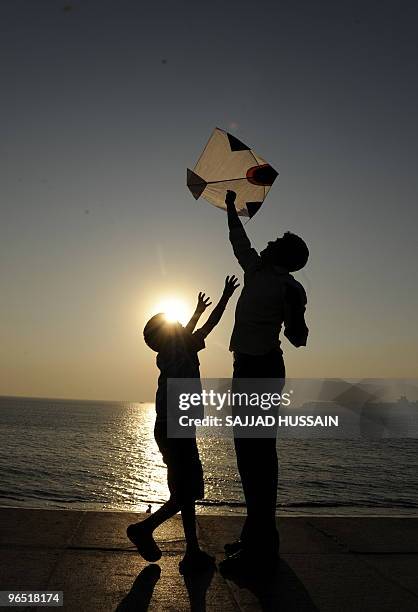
point(184, 469)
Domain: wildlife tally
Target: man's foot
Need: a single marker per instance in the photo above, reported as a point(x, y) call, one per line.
point(245, 562)
point(232, 548)
point(147, 547)
point(194, 562)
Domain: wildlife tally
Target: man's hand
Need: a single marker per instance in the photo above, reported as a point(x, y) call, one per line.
point(202, 303)
point(230, 197)
point(233, 218)
point(231, 283)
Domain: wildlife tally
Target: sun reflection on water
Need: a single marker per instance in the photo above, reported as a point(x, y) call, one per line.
point(144, 476)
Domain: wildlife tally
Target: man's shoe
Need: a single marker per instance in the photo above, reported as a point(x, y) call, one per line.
point(245, 562)
point(232, 548)
point(145, 543)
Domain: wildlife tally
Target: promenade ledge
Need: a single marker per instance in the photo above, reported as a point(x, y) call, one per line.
point(330, 564)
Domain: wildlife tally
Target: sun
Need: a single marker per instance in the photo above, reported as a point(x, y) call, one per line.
point(174, 309)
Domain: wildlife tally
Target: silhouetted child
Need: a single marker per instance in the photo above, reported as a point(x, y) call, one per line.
point(177, 349)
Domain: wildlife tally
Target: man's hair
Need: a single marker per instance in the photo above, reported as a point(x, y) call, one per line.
point(292, 252)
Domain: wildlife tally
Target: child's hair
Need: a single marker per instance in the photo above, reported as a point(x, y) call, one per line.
point(292, 252)
point(157, 331)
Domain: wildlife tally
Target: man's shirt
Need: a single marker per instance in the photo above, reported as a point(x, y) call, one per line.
point(270, 298)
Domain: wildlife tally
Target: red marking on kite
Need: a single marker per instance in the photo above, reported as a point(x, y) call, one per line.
point(261, 175)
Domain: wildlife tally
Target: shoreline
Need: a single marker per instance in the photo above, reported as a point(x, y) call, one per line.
point(202, 510)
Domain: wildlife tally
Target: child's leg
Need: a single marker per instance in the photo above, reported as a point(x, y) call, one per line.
point(195, 559)
point(140, 533)
point(188, 515)
point(167, 510)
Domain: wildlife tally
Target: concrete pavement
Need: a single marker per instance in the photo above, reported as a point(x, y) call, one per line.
point(328, 564)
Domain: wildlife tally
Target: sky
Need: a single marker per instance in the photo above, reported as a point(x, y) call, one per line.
point(104, 104)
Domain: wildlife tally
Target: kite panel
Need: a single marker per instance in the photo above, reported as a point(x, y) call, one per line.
point(195, 184)
point(227, 163)
point(215, 194)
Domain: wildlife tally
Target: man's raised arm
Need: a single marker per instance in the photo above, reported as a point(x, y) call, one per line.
point(233, 219)
point(241, 245)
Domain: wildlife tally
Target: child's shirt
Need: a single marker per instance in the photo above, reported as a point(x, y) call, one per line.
point(178, 359)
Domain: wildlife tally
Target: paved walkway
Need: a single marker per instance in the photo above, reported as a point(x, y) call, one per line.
point(329, 564)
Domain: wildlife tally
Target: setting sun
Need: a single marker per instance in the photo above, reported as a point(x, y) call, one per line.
point(174, 310)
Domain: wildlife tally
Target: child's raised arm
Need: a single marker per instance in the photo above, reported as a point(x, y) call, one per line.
point(202, 303)
point(231, 283)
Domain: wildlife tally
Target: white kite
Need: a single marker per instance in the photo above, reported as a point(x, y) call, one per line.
point(227, 163)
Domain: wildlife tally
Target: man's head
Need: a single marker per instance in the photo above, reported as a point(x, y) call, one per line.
point(158, 331)
point(289, 252)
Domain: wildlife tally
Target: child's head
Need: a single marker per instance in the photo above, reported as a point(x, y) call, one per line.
point(158, 331)
point(289, 251)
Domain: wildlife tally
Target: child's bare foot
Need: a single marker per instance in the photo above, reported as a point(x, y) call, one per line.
point(196, 561)
point(147, 547)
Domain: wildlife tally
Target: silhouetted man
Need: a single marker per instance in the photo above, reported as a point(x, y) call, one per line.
point(270, 298)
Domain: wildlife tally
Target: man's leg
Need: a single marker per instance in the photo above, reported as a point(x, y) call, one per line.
point(257, 463)
point(259, 472)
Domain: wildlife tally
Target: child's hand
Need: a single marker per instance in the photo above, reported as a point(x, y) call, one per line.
point(202, 302)
point(231, 283)
point(230, 197)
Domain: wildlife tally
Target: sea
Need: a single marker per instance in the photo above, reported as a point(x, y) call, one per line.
point(91, 455)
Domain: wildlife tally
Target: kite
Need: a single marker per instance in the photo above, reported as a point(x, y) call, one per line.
point(227, 163)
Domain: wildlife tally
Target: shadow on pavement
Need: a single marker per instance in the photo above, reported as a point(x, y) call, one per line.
point(282, 590)
point(139, 597)
point(197, 586)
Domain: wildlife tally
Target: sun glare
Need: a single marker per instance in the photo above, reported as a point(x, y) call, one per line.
point(174, 310)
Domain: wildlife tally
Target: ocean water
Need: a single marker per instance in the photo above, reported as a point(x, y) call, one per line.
point(102, 456)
